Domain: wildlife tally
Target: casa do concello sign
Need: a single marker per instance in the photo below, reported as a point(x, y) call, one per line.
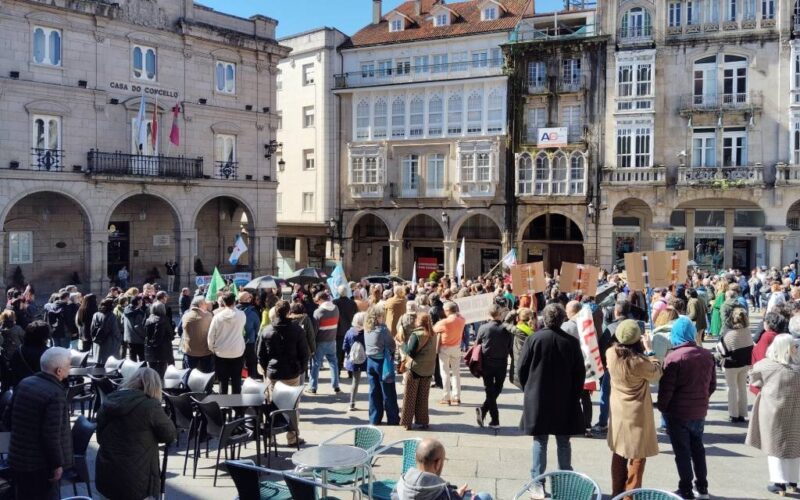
point(148, 90)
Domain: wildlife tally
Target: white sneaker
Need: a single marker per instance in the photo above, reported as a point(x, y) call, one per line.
point(537, 492)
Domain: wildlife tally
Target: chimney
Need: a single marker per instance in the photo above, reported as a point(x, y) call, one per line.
point(530, 8)
point(417, 7)
point(376, 11)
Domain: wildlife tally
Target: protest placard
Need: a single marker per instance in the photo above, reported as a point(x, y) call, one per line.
point(590, 347)
point(656, 269)
point(578, 278)
point(475, 308)
point(527, 279)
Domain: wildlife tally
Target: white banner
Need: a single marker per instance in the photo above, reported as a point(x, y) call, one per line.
point(475, 308)
point(552, 137)
point(240, 279)
point(590, 347)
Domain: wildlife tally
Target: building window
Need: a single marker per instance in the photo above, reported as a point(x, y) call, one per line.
point(635, 24)
point(558, 179)
point(144, 63)
point(420, 64)
point(308, 159)
point(537, 75)
point(434, 179)
point(20, 247)
point(439, 63)
point(226, 77)
point(732, 10)
point(368, 70)
point(705, 81)
point(704, 148)
point(455, 114)
point(571, 72)
point(435, 115)
point(416, 120)
point(475, 113)
point(577, 174)
point(396, 25)
point(541, 183)
point(410, 175)
point(633, 147)
point(46, 46)
point(459, 61)
point(572, 119)
point(524, 174)
point(467, 167)
point(690, 15)
point(398, 117)
point(490, 13)
point(308, 74)
point(796, 143)
point(734, 80)
point(364, 170)
point(380, 120)
point(536, 119)
point(767, 9)
point(475, 165)
point(644, 80)
point(674, 17)
point(734, 147)
point(625, 80)
point(384, 68)
point(403, 66)
point(643, 148)
point(495, 118)
point(308, 202)
point(796, 72)
point(362, 120)
point(480, 59)
point(308, 116)
point(225, 148)
point(46, 133)
point(496, 57)
point(279, 202)
point(442, 19)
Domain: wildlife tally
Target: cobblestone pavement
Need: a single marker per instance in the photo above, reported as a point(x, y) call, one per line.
point(496, 461)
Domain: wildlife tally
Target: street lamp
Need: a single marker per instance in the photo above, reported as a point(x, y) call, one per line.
point(446, 221)
point(281, 165)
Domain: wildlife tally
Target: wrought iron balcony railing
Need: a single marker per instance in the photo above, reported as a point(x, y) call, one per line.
point(122, 164)
point(227, 170)
point(51, 160)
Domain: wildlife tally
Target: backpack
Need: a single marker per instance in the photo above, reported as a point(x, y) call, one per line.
point(357, 353)
point(57, 326)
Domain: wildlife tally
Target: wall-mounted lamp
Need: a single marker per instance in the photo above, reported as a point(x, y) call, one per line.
point(446, 221)
point(143, 215)
point(281, 165)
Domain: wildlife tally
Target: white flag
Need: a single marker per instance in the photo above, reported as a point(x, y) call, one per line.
point(460, 262)
point(238, 249)
point(510, 260)
point(414, 278)
point(141, 125)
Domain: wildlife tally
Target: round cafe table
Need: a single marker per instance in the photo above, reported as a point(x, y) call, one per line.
point(330, 457)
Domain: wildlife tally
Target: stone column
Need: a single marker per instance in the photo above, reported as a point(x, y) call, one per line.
point(729, 220)
point(3, 259)
point(187, 251)
point(98, 258)
point(506, 244)
point(689, 238)
point(450, 257)
point(659, 237)
point(263, 256)
point(775, 241)
point(396, 257)
point(300, 252)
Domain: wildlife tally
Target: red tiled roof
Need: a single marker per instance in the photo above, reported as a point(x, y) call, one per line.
point(467, 21)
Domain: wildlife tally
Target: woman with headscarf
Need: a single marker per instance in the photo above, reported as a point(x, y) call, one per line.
point(775, 424)
point(631, 429)
point(355, 335)
point(735, 349)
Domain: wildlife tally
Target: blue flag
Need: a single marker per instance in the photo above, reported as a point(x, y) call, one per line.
point(337, 279)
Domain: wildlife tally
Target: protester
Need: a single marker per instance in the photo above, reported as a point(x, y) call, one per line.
point(194, 339)
point(774, 325)
point(347, 309)
point(378, 343)
point(105, 332)
point(395, 307)
point(283, 355)
point(25, 360)
point(40, 446)
point(775, 424)
point(621, 311)
point(521, 324)
point(133, 318)
point(327, 319)
point(715, 328)
point(631, 431)
point(698, 313)
point(688, 380)
point(226, 342)
point(419, 362)
point(496, 348)
point(83, 320)
point(449, 332)
point(297, 313)
point(55, 315)
point(355, 358)
point(571, 327)
point(11, 337)
point(552, 374)
point(158, 339)
point(735, 349)
point(251, 328)
point(130, 425)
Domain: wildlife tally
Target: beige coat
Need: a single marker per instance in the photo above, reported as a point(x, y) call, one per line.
point(394, 307)
point(775, 421)
point(631, 428)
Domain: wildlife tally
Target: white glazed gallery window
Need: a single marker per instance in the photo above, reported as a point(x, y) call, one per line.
point(362, 120)
point(439, 63)
point(410, 172)
point(558, 179)
point(309, 162)
point(145, 65)
point(308, 116)
point(494, 120)
point(577, 173)
point(455, 114)
point(398, 117)
point(308, 202)
point(403, 66)
point(624, 153)
point(435, 116)
point(420, 64)
point(434, 179)
point(364, 170)
point(308, 74)
point(368, 70)
point(46, 132)
point(480, 59)
point(524, 174)
point(704, 148)
point(226, 77)
point(541, 184)
point(20, 249)
point(46, 46)
point(416, 120)
point(475, 113)
point(380, 119)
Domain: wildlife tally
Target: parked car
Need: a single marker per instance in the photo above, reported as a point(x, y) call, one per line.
point(383, 279)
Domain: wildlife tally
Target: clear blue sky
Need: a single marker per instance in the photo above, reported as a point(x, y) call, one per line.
point(295, 16)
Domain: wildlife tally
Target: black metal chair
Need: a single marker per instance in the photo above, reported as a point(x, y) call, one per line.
point(247, 478)
point(80, 394)
point(102, 387)
point(82, 432)
point(179, 408)
point(228, 435)
point(310, 488)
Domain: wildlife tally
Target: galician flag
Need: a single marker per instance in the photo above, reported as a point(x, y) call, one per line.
point(414, 278)
point(141, 124)
point(175, 133)
point(217, 284)
point(510, 259)
point(337, 279)
point(461, 261)
point(238, 249)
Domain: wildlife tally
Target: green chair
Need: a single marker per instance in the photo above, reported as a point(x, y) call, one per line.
point(382, 489)
point(366, 437)
point(647, 494)
point(565, 485)
point(247, 478)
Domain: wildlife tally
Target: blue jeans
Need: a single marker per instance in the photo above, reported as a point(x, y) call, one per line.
point(382, 395)
point(605, 394)
point(325, 350)
point(687, 443)
point(563, 451)
point(203, 363)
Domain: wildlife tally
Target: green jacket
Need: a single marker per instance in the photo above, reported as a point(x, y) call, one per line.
point(423, 357)
point(130, 427)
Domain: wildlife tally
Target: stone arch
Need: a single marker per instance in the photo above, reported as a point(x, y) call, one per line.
point(472, 213)
point(369, 247)
point(530, 218)
point(218, 220)
point(552, 246)
point(401, 226)
point(351, 226)
point(54, 189)
point(251, 215)
point(130, 194)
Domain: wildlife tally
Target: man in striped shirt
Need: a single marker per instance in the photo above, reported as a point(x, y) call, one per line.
point(327, 318)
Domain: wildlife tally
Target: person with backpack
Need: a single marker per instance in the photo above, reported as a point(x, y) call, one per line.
point(355, 355)
point(55, 315)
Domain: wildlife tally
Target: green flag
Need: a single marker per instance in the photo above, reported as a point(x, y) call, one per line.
point(235, 290)
point(217, 284)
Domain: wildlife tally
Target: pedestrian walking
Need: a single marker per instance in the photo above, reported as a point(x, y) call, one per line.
point(327, 318)
point(347, 309)
point(419, 364)
point(449, 332)
point(83, 320)
point(158, 339)
point(105, 332)
point(378, 343)
point(226, 342)
point(355, 357)
point(496, 348)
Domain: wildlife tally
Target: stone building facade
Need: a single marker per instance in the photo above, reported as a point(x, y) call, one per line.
point(83, 192)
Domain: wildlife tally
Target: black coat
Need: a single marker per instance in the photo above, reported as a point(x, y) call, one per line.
point(130, 426)
point(40, 434)
point(283, 350)
point(552, 373)
point(347, 309)
point(158, 340)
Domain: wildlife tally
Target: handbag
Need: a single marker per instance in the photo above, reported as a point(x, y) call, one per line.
point(388, 372)
point(473, 359)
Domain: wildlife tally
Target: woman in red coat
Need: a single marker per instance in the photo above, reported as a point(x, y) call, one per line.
point(774, 325)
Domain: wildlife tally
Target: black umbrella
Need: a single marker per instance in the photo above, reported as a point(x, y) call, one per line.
point(307, 276)
point(265, 282)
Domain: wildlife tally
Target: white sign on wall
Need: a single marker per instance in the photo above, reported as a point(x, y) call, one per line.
point(161, 240)
point(551, 137)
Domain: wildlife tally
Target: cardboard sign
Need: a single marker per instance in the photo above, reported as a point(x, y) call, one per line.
point(578, 278)
point(590, 347)
point(656, 269)
point(527, 279)
point(475, 308)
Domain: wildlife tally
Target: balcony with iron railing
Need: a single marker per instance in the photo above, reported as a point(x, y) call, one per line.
point(709, 27)
point(739, 101)
point(743, 175)
point(634, 35)
point(419, 73)
point(51, 160)
point(559, 33)
point(227, 170)
point(122, 164)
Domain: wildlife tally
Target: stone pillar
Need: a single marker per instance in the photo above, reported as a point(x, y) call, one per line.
point(98, 258)
point(659, 237)
point(689, 238)
point(729, 219)
point(187, 251)
point(347, 257)
point(506, 244)
point(3, 259)
point(396, 257)
point(300, 252)
point(775, 241)
point(263, 256)
point(450, 257)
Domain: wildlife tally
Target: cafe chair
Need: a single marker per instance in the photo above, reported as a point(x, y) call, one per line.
point(647, 494)
point(283, 417)
point(247, 479)
point(382, 489)
point(173, 378)
point(82, 432)
point(79, 394)
point(198, 381)
point(310, 488)
point(128, 368)
point(78, 359)
point(179, 409)
point(113, 363)
point(565, 485)
point(366, 437)
point(230, 435)
point(251, 386)
point(102, 387)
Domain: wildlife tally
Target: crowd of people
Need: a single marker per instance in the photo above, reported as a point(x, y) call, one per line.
point(414, 332)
